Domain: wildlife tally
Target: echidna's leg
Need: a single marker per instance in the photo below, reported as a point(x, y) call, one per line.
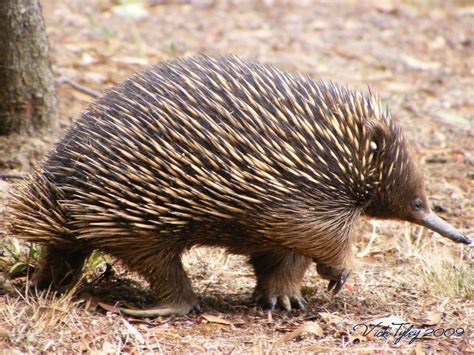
point(279, 279)
point(336, 270)
point(60, 266)
point(164, 271)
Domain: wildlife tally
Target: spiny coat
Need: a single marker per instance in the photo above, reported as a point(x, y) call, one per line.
point(220, 152)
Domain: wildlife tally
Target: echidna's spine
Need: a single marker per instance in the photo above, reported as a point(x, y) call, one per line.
point(37, 215)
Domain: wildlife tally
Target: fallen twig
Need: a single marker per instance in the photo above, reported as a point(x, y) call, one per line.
point(12, 176)
point(80, 87)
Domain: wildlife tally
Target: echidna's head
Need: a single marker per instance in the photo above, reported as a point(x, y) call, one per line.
point(401, 193)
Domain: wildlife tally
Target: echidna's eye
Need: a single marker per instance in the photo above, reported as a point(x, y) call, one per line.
point(418, 204)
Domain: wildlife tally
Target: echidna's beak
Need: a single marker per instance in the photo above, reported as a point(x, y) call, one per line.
point(436, 224)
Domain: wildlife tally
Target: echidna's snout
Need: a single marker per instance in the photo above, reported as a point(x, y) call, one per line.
point(436, 224)
point(414, 207)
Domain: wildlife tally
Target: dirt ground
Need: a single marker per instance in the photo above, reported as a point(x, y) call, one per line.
point(419, 57)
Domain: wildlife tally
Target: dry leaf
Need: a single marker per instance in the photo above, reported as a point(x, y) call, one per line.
point(134, 11)
point(213, 319)
point(109, 348)
point(431, 318)
point(452, 118)
point(385, 7)
point(4, 333)
point(88, 59)
point(420, 64)
point(442, 306)
point(429, 303)
point(131, 60)
point(133, 331)
point(331, 317)
point(419, 349)
point(307, 328)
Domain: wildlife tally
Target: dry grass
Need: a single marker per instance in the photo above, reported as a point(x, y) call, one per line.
point(417, 56)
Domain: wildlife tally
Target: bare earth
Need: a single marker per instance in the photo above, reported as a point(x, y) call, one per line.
point(419, 57)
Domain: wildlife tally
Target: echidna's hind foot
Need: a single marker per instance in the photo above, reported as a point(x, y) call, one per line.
point(60, 267)
point(163, 269)
point(279, 280)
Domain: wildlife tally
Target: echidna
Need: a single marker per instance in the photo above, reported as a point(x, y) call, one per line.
point(221, 152)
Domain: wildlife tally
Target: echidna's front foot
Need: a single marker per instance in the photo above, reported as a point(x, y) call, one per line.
point(285, 302)
point(279, 279)
point(336, 275)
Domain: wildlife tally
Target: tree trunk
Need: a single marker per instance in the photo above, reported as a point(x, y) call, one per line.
point(27, 95)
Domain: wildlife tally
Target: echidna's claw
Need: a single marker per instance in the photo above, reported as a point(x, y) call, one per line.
point(331, 284)
point(283, 302)
point(339, 284)
point(197, 308)
point(298, 302)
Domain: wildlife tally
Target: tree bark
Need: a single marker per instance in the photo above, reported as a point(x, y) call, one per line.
point(27, 94)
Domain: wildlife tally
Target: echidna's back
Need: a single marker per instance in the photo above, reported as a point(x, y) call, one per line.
point(200, 140)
